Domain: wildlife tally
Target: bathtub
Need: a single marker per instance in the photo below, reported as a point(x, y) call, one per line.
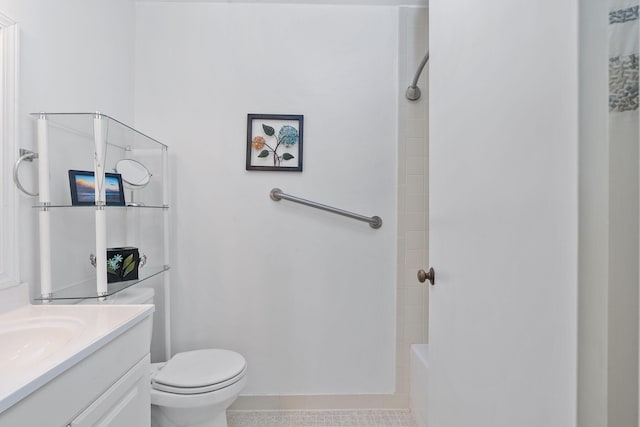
point(418, 378)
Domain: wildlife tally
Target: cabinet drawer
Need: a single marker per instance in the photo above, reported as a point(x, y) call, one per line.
point(125, 403)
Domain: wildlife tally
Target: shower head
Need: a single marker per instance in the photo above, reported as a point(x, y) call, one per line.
point(413, 91)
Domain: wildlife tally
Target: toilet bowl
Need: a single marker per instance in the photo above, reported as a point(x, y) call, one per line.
point(194, 388)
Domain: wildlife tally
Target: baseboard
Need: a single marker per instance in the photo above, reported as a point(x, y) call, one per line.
point(324, 401)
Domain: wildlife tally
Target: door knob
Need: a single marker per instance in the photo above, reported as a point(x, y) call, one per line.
point(427, 275)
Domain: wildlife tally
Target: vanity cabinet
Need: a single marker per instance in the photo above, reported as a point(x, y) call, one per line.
point(126, 403)
point(78, 157)
point(109, 387)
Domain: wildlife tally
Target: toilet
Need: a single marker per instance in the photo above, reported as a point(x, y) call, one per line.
point(194, 388)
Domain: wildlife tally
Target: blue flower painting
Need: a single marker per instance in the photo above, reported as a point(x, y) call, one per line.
point(279, 140)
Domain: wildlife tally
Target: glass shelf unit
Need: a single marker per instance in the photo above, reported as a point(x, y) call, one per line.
point(87, 288)
point(119, 134)
point(95, 143)
point(71, 144)
point(93, 207)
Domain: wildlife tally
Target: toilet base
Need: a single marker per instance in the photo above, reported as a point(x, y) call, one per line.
point(164, 417)
point(195, 410)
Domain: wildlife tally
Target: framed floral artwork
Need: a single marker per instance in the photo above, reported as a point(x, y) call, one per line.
point(274, 142)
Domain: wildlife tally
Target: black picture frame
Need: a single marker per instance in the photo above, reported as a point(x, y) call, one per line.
point(82, 185)
point(274, 142)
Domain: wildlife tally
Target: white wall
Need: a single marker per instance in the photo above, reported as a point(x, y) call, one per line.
point(413, 146)
point(307, 297)
point(74, 56)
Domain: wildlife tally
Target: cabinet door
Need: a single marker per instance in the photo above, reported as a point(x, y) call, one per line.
point(126, 403)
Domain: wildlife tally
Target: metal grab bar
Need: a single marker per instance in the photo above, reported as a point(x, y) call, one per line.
point(276, 195)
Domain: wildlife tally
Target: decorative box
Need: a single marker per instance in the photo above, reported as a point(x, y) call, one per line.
point(122, 264)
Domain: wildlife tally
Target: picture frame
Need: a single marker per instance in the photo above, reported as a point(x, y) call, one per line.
point(274, 142)
point(82, 185)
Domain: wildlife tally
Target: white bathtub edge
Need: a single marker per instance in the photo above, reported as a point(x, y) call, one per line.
point(418, 379)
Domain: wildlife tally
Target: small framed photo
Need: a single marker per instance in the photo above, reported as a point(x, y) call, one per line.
point(83, 188)
point(274, 142)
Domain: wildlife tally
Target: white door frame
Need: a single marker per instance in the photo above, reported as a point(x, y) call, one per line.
point(9, 266)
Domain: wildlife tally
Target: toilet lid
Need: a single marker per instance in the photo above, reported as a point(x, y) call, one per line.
point(200, 369)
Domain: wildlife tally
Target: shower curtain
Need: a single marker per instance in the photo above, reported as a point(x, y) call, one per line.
point(623, 61)
point(623, 206)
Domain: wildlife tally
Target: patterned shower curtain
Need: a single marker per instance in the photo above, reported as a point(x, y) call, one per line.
point(623, 148)
point(623, 58)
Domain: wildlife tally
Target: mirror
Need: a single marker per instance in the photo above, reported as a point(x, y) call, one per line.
point(135, 176)
point(134, 173)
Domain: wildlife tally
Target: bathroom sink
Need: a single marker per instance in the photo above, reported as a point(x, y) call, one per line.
point(28, 341)
point(40, 342)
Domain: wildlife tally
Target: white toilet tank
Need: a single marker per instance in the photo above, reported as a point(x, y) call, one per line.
point(132, 295)
point(140, 295)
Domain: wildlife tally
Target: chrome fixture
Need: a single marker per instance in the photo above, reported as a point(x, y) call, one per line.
point(135, 176)
point(25, 156)
point(413, 92)
point(141, 263)
point(276, 195)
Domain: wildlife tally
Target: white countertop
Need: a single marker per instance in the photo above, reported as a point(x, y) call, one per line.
point(93, 327)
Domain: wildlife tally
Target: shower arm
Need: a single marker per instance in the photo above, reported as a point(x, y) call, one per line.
point(413, 91)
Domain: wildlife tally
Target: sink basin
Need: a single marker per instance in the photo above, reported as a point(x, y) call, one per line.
point(32, 340)
point(40, 342)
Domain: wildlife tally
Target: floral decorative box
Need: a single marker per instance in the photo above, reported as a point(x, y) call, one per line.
point(122, 264)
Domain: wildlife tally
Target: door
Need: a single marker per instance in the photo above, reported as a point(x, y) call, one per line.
point(503, 213)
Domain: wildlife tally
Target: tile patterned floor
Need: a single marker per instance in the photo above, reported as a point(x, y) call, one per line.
point(324, 418)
